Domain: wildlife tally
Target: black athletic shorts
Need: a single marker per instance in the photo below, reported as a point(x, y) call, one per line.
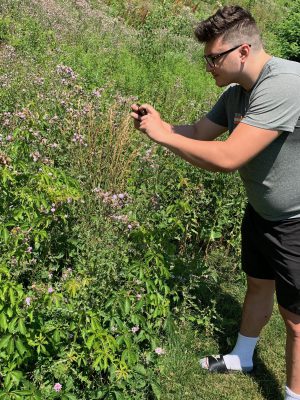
point(271, 250)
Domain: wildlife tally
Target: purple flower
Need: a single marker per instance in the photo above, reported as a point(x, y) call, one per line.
point(57, 387)
point(28, 300)
point(29, 249)
point(53, 209)
point(159, 351)
point(50, 289)
point(135, 329)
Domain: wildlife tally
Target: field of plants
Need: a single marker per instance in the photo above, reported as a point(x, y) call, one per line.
point(110, 246)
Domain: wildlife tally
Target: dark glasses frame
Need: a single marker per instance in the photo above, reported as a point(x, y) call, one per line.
point(210, 59)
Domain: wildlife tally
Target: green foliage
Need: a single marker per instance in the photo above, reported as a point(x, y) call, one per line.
point(105, 242)
point(288, 32)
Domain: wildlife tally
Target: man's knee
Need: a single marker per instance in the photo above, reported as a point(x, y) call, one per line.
point(260, 287)
point(292, 322)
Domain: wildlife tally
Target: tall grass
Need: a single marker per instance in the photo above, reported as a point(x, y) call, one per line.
point(145, 237)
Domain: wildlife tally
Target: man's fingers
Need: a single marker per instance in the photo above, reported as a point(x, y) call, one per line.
point(149, 108)
point(135, 115)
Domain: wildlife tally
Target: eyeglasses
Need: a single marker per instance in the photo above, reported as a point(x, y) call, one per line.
point(210, 59)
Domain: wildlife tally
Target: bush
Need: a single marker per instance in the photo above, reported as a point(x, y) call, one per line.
point(288, 32)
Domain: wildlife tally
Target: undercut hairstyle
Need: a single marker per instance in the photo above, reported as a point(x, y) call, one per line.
point(233, 23)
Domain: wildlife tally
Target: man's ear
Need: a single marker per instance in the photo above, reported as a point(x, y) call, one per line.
point(244, 51)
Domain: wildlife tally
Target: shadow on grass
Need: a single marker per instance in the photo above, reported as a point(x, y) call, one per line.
point(229, 311)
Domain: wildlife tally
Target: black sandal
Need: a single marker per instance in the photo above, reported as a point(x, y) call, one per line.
point(217, 364)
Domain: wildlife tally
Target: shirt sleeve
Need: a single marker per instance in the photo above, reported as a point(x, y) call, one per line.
point(218, 113)
point(274, 105)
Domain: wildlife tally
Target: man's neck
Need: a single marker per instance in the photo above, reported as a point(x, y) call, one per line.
point(251, 76)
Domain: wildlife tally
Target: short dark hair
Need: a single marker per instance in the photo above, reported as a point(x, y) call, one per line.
point(232, 23)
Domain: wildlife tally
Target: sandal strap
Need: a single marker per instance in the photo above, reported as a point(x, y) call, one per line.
point(216, 364)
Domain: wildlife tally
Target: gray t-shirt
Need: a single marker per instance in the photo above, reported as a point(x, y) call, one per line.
point(272, 178)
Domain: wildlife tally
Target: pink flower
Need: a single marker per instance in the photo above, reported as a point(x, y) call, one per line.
point(159, 351)
point(135, 329)
point(138, 296)
point(29, 249)
point(57, 387)
point(50, 289)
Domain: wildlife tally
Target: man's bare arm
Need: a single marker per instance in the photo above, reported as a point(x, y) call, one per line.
point(204, 129)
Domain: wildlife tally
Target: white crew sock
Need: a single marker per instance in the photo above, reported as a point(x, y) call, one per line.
point(241, 357)
point(289, 395)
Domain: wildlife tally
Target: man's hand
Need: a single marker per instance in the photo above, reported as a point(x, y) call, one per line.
point(151, 123)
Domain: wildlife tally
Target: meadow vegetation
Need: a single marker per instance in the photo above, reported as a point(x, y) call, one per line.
point(112, 250)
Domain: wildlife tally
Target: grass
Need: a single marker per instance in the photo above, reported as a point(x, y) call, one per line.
point(182, 378)
point(120, 56)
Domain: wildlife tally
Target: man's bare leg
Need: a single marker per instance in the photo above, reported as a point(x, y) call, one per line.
point(292, 323)
point(258, 306)
point(257, 310)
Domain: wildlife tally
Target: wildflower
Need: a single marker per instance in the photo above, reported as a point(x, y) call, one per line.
point(121, 196)
point(138, 296)
point(35, 155)
point(29, 249)
point(67, 71)
point(50, 289)
point(159, 351)
point(28, 300)
point(129, 226)
point(78, 138)
point(135, 329)
point(57, 387)
point(53, 209)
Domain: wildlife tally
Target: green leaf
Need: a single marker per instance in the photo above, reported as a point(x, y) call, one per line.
point(3, 321)
point(70, 396)
point(10, 345)
point(156, 390)
point(12, 296)
point(90, 341)
point(21, 326)
point(140, 369)
point(23, 392)
point(5, 235)
point(20, 346)
point(127, 306)
point(4, 341)
point(56, 336)
point(9, 312)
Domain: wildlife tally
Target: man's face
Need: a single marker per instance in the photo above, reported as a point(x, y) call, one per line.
point(222, 61)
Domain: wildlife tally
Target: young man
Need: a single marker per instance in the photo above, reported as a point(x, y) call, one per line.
point(261, 113)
